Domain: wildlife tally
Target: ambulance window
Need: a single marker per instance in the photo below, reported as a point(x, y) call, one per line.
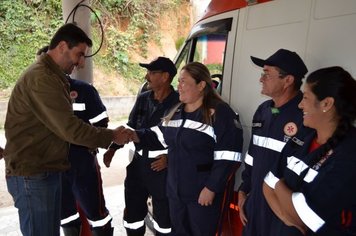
point(210, 50)
point(181, 61)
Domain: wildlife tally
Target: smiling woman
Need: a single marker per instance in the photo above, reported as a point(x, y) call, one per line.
point(315, 176)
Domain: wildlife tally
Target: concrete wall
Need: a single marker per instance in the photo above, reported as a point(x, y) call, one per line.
point(118, 108)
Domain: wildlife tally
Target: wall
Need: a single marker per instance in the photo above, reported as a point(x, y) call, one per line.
point(117, 107)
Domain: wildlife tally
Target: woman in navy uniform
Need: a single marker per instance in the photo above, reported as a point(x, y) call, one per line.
point(312, 189)
point(204, 140)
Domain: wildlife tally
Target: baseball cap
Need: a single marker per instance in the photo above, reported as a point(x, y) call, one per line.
point(163, 64)
point(286, 60)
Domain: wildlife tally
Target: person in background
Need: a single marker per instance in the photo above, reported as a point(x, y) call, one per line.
point(147, 173)
point(312, 187)
point(82, 183)
point(204, 140)
point(39, 126)
point(275, 122)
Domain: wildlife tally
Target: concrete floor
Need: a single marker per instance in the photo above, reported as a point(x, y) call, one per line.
point(113, 179)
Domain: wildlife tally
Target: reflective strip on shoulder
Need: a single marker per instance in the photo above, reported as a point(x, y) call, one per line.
point(191, 124)
point(78, 106)
point(306, 214)
point(248, 159)
point(271, 180)
point(154, 154)
point(269, 143)
point(159, 135)
point(204, 128)
point(159, 229)
point(98, 117)
point(134, 225)
point(227, 155)
point(100, 223)
point(70, 219)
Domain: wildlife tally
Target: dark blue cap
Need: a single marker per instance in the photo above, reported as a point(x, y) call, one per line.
point(286, 60)
point(162, 64)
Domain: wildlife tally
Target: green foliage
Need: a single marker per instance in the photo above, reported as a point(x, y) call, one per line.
point(179, 42)
point(133, 23)
point(27, 25)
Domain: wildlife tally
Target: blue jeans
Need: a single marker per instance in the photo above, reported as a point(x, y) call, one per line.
point(38, 200)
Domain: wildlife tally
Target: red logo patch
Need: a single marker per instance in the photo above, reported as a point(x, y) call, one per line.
point(290, 129)
point(73, 94)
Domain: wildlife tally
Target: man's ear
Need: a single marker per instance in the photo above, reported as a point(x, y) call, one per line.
point(289, 81)
point(62, 46)
point(165, 76)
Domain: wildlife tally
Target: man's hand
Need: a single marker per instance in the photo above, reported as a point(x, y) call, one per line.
point(160, 163)
point(108, 155)
point(206, 197)
point(123, 135)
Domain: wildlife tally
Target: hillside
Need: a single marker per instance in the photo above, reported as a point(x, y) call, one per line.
point(134, 31)
point(170, 29)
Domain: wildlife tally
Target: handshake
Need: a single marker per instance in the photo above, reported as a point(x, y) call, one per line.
point(124, 135)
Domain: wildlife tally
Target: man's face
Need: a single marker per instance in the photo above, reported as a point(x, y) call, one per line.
point(272, 83)
point(154, 79)
point(74, 57)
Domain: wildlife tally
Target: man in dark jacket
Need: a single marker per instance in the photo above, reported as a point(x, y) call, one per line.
point(146, 174)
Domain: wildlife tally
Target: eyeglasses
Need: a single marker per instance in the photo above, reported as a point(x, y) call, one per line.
point(268, 76)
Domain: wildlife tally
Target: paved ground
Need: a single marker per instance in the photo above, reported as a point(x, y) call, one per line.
point(113, 178)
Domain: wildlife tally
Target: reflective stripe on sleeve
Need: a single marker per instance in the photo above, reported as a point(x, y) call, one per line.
point(99, 117)
point(100, 223)
point(269, 143)
point(227, 155)
point(154, 154)
point(271, 180)
point(78, 106)
point(298, 166)
point(134, 225)
point(70, 219)
point(159, 135)
point(306, 214)
point(249, 159)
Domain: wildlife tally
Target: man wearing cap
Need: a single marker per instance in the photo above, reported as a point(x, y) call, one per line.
point(146, 174)
point(274, 123)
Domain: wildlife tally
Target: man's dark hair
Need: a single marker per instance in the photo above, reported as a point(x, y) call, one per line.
point(72, 35)
point(44, 49)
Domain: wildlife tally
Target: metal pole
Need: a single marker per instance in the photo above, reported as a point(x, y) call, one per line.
point(82, 18)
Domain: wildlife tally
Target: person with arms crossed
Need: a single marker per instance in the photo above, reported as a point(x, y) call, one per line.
point(204, 140)
point(39, 126)
point(274, 123)
point(147, 173)
point(312, 187)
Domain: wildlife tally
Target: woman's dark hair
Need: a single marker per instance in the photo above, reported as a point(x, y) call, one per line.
point(72, 35)
point(199, 72)
point(337, 83)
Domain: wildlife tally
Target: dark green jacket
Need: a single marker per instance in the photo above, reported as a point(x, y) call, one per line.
point(40, 122)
